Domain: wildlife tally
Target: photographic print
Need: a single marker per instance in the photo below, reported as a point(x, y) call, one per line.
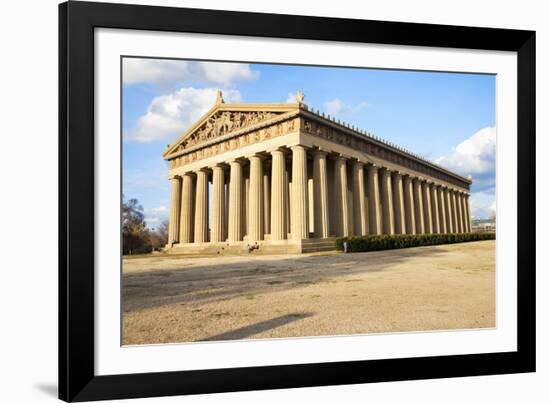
point(273, 201)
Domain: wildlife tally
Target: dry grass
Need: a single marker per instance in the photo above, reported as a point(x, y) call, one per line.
point(430, 288)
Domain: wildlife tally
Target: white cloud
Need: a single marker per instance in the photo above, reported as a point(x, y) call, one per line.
point(475, 155)
point(173, 113)
point(151, 176)
point(173, 71)
point(493, 207)
point(157, 210)
point(156, 215)
point(336, 106)
point(291, 98)
point(225, 73)
point(483, 205)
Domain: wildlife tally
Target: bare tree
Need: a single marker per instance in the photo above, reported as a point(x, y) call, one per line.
point(134, 232)
point(159, 236)
point(162, 232)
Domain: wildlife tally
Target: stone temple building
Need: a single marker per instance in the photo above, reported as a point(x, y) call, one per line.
point(282, 178)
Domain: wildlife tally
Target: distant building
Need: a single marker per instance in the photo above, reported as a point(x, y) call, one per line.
point(484, 225)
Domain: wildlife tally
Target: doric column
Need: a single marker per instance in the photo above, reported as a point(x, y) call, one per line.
point(310, 197)
point(226, 207)
point(201, 207)
point(235, 219)
point(278, 193)
point(255, 204)
point(442, 210)
point(218, 204)
point(427, 204)
point(410, 223)
point(288, 197)
point(299, 227)
point(454, 211)
point(434, 218)
point(360, 225)
point(246, 199)
point(173, 223)
point(435, 208)
point(459, 212)
point(374, 200)
point(449, 211)
point(267, 201)
point(186, 216)
point(418, 206)
point(467, 210)
point(398, 203)
point(341, 197)
point(387, 202)
point(320, 195)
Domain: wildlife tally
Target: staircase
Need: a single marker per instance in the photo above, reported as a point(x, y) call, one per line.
point(264, 248)
point(318, 245)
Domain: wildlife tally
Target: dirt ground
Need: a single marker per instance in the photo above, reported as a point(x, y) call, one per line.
point(177, 299)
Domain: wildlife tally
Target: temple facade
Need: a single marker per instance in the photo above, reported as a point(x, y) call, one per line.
point(282, 178)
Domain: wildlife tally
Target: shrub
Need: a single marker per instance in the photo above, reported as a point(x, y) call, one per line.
point(383, 242)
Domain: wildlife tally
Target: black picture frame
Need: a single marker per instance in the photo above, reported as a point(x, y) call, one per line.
point(77, 21)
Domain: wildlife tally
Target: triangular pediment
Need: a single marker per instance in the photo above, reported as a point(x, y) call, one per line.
point(224, 120)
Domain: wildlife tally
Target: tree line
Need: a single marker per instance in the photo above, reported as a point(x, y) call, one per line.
point(136, 237)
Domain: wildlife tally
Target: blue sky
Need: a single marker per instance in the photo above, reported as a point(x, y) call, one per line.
point(448, 118)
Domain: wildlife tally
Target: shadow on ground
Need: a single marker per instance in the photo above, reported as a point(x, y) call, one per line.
point(250, 330)
point(224, 278)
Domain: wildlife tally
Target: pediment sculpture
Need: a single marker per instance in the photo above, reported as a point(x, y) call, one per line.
point(224, 123)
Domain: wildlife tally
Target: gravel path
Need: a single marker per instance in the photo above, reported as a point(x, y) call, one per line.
point(170, 299)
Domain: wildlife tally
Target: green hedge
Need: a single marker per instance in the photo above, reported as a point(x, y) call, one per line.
point(383, 242)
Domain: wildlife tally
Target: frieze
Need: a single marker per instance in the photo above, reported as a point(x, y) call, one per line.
point(335, 135)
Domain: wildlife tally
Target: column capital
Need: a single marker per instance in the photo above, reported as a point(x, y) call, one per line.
point(299, 146)
point(318, 151)
point(218, 165)
point(385, 171)
point(255, 155)
point(236, 160)
point(372, 167)
point(398, 173)
point(276, 150)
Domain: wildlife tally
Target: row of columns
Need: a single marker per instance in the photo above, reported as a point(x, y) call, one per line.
point(372, 200)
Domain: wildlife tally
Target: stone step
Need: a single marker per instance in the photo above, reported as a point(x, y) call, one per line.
point(205, 250)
